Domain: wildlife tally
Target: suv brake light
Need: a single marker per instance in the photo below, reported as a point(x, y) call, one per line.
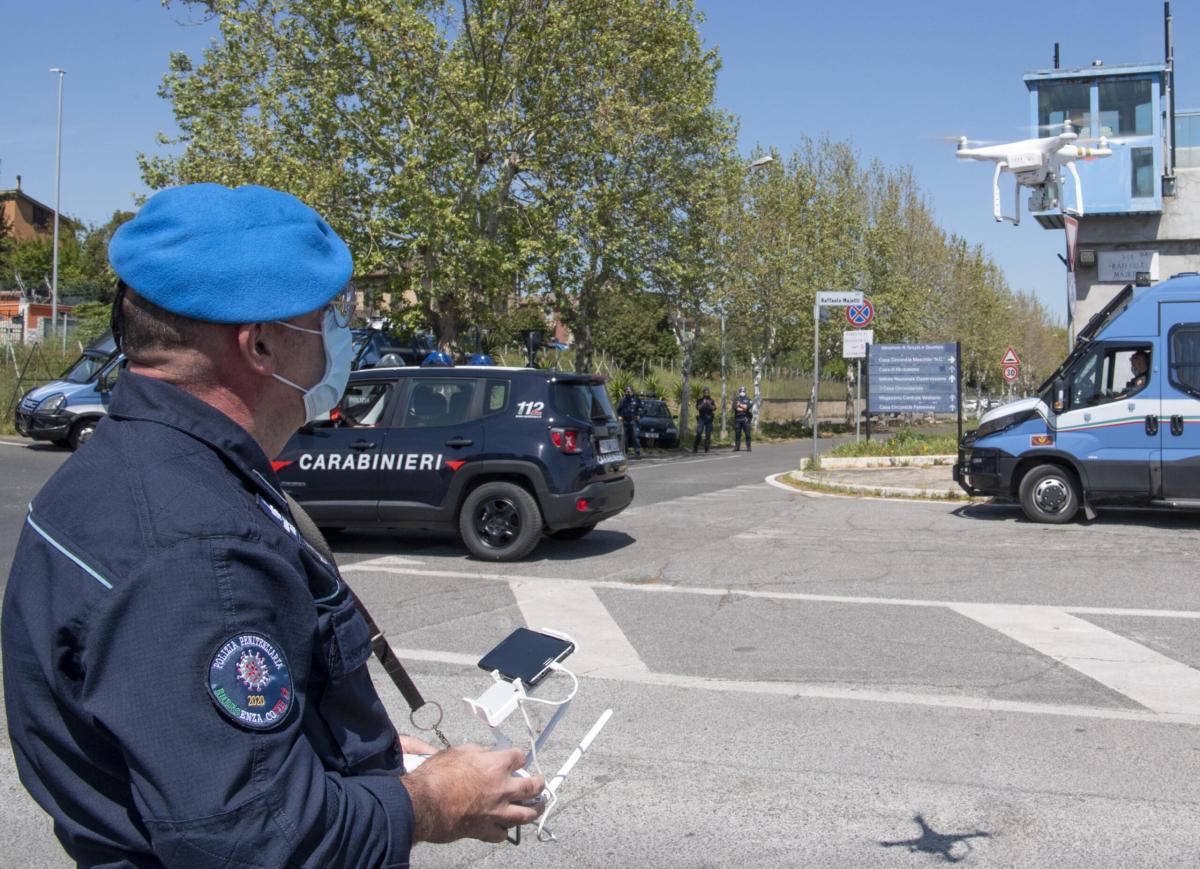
point(566, 439)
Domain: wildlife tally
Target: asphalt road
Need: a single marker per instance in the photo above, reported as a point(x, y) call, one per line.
point(810, 680)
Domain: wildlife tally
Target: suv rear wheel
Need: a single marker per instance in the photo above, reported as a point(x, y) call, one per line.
point(500, 522)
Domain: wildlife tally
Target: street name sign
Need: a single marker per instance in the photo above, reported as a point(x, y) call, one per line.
point(838, 298)
point(912, 378)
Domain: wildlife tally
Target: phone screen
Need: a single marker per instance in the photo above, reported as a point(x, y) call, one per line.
point(526, 655)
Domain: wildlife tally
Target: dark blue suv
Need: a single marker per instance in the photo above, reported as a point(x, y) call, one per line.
point(499, 454)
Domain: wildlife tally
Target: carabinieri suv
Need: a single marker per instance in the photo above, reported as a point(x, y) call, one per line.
point(502, 455)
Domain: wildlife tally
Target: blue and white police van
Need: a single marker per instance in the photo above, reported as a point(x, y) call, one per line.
point(66, 410)
point(1099, 430)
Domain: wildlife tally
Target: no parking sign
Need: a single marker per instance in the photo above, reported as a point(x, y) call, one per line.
point(860, 315)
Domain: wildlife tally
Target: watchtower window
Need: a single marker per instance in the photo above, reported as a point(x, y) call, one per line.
point(1126, 108)
point(1059, 103)
point(1142, 165)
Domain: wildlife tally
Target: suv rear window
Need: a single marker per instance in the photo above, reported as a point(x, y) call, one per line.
point(582, 400)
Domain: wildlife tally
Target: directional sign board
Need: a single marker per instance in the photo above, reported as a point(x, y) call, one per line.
point(913, 378)
point(839, 298)
point(860, 315)
point(855, 341)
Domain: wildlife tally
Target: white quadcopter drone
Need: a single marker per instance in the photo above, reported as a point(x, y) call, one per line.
point(1036, 164)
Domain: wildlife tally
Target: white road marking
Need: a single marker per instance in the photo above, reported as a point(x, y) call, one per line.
point(720, 591)
point(765, 534)
point(1153, 680)
point(1168, 689)
point(576, 610)
point(15, 444)
point(676, 464)
point(825, 691)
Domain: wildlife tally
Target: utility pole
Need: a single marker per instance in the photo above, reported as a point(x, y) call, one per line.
point(57, 206)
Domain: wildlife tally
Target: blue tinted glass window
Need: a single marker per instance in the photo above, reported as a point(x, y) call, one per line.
point(1125, 108)
point(1142, 166)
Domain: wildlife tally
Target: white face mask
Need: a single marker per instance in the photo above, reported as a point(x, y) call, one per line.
point(339, 357)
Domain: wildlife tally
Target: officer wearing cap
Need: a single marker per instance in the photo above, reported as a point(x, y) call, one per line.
point(184, 672)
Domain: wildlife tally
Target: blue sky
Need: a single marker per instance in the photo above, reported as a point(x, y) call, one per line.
point(888, 76)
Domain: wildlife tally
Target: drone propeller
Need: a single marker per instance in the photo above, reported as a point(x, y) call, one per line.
point(1069, 125)
point(967, 142)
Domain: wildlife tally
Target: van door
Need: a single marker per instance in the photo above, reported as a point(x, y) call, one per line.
point(1105, 426)
point(1179, 426)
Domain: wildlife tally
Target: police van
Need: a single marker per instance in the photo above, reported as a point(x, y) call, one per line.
point(67, 410)
point(501, 455)
point(1117, 422)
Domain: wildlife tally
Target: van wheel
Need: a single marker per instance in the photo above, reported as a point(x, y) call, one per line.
point(81, 433)
point(571, 533)
point(500, 522)
point(1050, 494)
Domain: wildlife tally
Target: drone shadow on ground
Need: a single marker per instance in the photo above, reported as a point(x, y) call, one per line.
point(936, 844)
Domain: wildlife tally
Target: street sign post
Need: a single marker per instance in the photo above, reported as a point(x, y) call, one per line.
point(1010, 357)
point(854, 346)
point(825, 299)
point(1011, 373)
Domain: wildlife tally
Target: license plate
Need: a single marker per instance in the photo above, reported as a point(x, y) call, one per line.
point(609, 445)
point(651, 435)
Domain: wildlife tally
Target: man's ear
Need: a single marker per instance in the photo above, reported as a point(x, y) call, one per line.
point(258, 346)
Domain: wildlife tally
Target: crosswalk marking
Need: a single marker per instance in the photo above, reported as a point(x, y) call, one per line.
point(1168, 689)
point(827, 691)
point(1141, 674)
point(576, 610)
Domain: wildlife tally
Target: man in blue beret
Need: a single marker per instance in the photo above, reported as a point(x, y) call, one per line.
point(185, 671)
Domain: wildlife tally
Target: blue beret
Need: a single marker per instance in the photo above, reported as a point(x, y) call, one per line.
point(228, 255)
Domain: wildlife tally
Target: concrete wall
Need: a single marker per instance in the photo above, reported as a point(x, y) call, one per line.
point(1175, 234)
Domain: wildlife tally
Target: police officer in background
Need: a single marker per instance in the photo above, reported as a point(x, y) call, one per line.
point(630, 412)
point(185, 674)
point(743, 413)
point(706, 408)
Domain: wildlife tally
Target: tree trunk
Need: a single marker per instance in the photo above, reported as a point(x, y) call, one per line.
point(756, 365)
point(724, 382)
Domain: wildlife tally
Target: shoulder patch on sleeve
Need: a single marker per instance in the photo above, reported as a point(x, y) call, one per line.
point(249, 681)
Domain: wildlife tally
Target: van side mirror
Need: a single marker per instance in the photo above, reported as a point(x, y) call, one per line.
point(1058, 395)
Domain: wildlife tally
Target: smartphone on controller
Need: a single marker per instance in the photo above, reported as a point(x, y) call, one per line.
point(526, 655)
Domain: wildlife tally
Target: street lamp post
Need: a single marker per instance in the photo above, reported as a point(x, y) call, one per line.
point(57, 203)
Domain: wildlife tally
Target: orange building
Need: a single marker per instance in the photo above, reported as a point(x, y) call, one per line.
point(27, 218)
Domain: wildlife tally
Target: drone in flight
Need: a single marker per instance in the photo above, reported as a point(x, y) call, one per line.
point(1037, 164)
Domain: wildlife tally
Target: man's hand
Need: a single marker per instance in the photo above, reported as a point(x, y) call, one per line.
point(468, 791)
point(413, 745)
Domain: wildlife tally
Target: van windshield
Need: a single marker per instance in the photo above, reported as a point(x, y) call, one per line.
point(582, 400)
point(85, 368)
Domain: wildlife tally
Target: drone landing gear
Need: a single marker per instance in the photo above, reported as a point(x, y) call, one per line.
point(997, 211)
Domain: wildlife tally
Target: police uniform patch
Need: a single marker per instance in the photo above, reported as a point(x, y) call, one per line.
point(250, 682)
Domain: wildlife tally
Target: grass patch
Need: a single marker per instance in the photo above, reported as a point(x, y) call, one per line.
point(906, 442)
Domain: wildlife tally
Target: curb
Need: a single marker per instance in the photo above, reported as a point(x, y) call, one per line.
point(902, 492)
point(886, 462)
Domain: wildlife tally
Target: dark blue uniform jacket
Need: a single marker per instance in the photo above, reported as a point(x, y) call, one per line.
point(160, 550)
